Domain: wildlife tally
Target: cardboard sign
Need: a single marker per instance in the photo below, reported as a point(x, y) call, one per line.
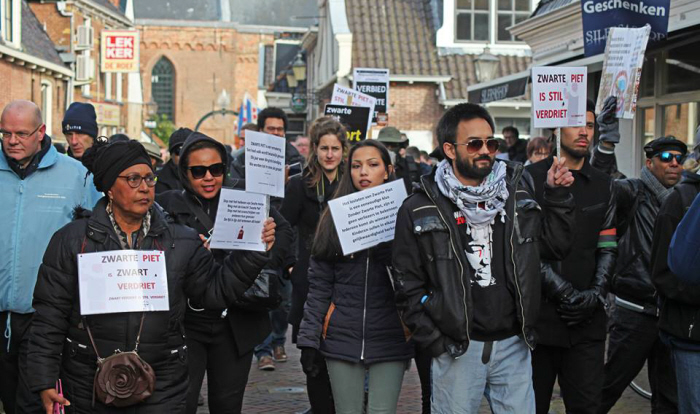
point(350, 97)
point(373, 82)
point(559, 96)
point(622, 69)
point(264, 163)
point(122, 281)
point(240, 219)
point(367, 218)
point(599, 16)
point(120, 51)
point(353, 117)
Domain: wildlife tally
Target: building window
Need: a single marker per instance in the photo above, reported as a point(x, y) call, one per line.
point(162, 86)
point(472, 20)
point(488, 20)
point(510, 12)
point(47, 106)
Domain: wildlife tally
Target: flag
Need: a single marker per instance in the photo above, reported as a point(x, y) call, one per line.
point(248, 113)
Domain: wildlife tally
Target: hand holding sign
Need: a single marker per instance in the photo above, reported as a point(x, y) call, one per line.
point(559, 175)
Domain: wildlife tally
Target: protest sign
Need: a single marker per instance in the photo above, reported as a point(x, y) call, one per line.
point(601, 15)
point(367, 218)
point(373, 82)
point(349, 97)
point(122, 281)
point(353, 117)
point(622, 69)
point(264, 163)
point(119, 51)
point(240, 219)
point(559, 96)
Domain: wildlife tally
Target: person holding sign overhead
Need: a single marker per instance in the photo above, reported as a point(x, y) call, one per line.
point(221, 339)
point(125, 226)
point(350, 316)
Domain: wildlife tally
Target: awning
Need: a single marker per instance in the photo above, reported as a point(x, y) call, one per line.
point(510, 86)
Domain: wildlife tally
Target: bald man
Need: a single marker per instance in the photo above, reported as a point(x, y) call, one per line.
point(39, 190)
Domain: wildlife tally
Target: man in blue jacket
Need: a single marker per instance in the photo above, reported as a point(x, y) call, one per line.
point(40, 189)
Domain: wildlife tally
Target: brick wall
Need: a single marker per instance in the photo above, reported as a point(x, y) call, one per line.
point(414, 107)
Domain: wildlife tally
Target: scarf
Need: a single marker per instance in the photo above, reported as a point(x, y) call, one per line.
point(653, 184)
point(480, 204)
point(137, 237)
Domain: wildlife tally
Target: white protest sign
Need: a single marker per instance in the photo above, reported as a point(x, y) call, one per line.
point(240, 219)
point(122, 281)
point(367, 218)
point(622, 68)
point(264, 163)
point(350, 97)
point(559, 96)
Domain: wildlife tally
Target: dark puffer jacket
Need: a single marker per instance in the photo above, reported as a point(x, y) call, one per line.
point(350, 312)
point(168, 178)
point(59, 343)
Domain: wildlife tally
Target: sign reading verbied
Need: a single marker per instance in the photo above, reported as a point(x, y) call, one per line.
point(122, 281)
point(373, 82)
point(120, 51)
point(367, 218)
point(559, 96)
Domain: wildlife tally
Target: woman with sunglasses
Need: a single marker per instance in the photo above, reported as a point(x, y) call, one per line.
point(350, 315)
point(220, 341)
point(305, 198)
point(64, 343)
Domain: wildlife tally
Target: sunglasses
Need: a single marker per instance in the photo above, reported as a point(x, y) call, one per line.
point(199, 171)
point(475, 145)
point(667, 157)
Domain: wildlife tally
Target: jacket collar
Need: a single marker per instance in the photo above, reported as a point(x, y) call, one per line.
point(49, 156)
point(99, 221)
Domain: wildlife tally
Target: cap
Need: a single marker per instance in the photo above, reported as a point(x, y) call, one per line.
point(391, 135)
point(664, 144)
point(153, 150)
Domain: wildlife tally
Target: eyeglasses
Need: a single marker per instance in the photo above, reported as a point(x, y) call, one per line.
point(199, 171)
point(668, 156)
point(20, 135)
point(475, 145)
point(134, 180)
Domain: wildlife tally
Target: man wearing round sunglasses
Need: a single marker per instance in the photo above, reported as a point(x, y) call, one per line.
point(168, 175)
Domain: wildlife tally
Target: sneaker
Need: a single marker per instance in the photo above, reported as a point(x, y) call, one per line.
point(265, 363)
point(279, 354)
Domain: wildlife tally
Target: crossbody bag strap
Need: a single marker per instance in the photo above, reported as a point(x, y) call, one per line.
point(92, 340)
point(199, 213)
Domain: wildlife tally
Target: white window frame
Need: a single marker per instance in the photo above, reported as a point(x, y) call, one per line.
point(118, 89)
point(47, 105)
point(16, 22)
point(85, 89)
point(108, 86)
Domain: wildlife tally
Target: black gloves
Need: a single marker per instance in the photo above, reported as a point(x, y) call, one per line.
point(608, 124)
point(308, 361)
point(579, 307)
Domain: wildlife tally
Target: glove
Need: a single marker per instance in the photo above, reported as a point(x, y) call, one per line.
point(308, 361)
point(608, 124)
point(579, 307)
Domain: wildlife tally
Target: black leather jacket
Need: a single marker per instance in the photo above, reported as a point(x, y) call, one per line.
point(429, 260)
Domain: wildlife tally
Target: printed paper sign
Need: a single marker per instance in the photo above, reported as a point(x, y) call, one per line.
point(373, 82)
point(367, 218)
point(559, 96)
point(350, 97)
point(120, 51)
point(622, 69)
point(240, 219)
point(264, 163)
point(122, 281)
point(353, 117)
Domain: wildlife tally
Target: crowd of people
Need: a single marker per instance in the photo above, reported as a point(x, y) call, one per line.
point(511, 268)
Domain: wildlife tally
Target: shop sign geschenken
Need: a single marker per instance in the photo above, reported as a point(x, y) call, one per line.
point(122, 281)
point(240, 219)
point(622, 69)
point(559, 96)
point(601, 15)
point(351, 97)
point(120, 51)
point(264, 163)
point(373, 82)
point(367, 218)
point(353, 117)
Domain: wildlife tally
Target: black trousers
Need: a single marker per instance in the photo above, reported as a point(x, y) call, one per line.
point(14, 392)
point(212, 348)
point(580, 373)
point(423, 360)
point(634, 339)
point(319, 389)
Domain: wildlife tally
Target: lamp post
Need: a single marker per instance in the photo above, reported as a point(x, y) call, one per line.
point(486, 66)
point(223, 101)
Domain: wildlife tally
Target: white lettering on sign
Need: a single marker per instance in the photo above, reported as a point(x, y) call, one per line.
point(631, 5)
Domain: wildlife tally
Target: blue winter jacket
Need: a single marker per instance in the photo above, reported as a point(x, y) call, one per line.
point(684, 251)
point(32, 210)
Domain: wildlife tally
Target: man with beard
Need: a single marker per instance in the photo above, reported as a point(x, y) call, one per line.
point(572, 321)
point(467, 254)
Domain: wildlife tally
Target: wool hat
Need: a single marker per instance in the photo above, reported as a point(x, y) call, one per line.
point(391, 135)
point(107, 161)
point(665, 144)
point(81, 118)
point(178, 138)
point(153, 151)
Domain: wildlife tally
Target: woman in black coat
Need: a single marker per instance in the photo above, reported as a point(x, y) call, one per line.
point(350, 315)
point(61, 338)
point(220, 340)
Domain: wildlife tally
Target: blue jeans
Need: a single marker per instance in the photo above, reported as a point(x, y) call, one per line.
point(686, 360)
point(506, 379)
point(278, 320)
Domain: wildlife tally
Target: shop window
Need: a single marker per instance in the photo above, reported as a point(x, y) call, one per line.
point(681, 120)
point(683, 69)
point(646, 84)
point(162, 86)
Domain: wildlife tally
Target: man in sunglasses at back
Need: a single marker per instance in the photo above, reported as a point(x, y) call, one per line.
point(572, 322)
point(634, 334)
point(168, 175)
point(467, 254)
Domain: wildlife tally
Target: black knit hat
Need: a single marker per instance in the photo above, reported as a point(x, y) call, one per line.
point(80, 117)
point(107, 161)
point(178, 138)
point(665, 144)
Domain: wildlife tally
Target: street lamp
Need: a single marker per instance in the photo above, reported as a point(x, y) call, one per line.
point(299, 68)
point(292, 80)
point(224, 100)
point(486, 66)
